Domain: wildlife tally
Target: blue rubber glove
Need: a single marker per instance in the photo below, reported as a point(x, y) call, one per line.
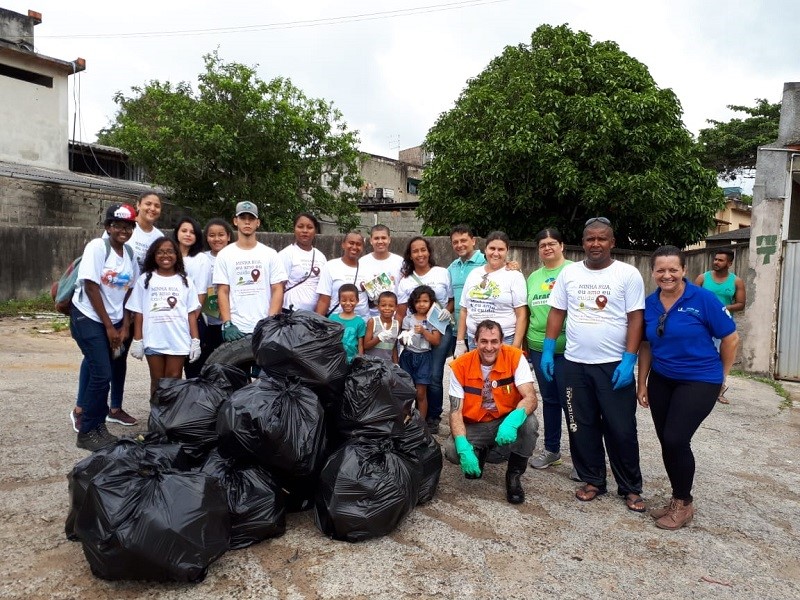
point(548, 362)
point(230, 332)
point(507, 432)
point(467, 456)
point(623, 374)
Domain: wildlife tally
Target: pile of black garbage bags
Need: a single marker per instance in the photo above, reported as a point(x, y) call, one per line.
point(225, 458)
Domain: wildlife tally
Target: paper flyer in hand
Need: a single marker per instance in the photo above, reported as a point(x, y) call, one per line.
point(377, 285)
point(434, 318)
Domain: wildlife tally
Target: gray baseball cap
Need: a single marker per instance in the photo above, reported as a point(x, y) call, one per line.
point(246, 207)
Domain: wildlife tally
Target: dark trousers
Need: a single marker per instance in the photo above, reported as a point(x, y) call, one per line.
point(210, 340)
point(97, 370)
point(553, 394)
point(678, 407)
point(439, 356)
point(596, 413)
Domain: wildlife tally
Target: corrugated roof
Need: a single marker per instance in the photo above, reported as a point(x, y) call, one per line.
point(743, 233)
point(45, 175)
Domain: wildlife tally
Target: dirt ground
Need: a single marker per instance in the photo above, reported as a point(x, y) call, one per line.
point(467, 543)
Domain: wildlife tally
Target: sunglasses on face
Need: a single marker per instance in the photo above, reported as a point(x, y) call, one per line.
point(602, 220)
point(662, 320)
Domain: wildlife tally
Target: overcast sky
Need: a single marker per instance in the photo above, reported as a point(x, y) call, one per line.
point(393, 74)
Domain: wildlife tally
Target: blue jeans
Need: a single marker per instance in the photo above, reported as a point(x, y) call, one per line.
point(97, 369)
point(439, 355)
point(117, 379)
point(554, 400)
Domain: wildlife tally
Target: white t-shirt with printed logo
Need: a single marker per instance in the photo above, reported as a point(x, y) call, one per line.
point(437, 278)
point(302, 266)
point(249, 273)
point(165, 306)
point(373, 267)
point(494, 297)
point(199, 269)
point(333, 276)
point(597, 302)
point(114, 274)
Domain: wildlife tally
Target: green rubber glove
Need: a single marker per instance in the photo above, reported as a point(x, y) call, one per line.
point(507, 432)
point(466, 454)
point(230, 332)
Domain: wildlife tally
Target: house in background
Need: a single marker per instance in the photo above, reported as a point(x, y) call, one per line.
point(33, 88)
point(390, 193)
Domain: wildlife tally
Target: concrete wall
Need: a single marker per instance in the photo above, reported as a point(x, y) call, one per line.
point(772, 209)
point(46, 251)
point(33, 118)
point(27, 202)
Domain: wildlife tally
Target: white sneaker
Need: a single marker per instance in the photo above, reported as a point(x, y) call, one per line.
point(545, 459)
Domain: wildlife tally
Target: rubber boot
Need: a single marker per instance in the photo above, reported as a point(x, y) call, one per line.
point(481, 454)
point(516, 467)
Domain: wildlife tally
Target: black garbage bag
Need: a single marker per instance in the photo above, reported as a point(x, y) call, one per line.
point(304, 345)
point(147, 522)
point(365, 491)
point(279, 423)
point(423, 451)
point(185, 410)
point(255, 501)
point(378, 398)
point(145, 449)
point(226, 377)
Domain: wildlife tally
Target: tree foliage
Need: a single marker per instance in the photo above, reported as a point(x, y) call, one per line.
point(730, 148)
point(562, 130)
point(241, 138)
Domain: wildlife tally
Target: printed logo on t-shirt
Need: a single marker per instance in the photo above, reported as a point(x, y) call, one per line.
point(114, 279)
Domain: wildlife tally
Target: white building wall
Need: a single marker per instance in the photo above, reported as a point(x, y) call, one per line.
point(34, 121)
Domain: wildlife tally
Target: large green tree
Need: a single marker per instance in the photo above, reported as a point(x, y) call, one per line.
point(561, 130)
point(240, 138)
point(730, 148)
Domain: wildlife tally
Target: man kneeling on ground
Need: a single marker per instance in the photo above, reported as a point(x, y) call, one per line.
point(492, 401)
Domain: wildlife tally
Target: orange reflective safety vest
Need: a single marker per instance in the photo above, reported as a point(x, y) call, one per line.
point(467, 371)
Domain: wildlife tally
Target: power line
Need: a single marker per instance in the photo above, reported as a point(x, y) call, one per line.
point(388, 14)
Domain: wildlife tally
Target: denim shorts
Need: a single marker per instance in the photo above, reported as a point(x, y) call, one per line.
point(418, 365)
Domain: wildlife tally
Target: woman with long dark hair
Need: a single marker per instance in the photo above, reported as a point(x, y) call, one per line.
point(419, 268)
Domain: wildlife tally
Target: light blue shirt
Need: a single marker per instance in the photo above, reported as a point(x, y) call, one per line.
point(458, 271)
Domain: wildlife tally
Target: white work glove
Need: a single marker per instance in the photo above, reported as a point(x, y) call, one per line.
point(137, 349)
point(406, 336)
point(385, 335)
point(461, 348)
point(194, 350)
point(444, 315)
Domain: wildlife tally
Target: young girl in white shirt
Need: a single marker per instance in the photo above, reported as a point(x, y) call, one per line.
point(165, 306)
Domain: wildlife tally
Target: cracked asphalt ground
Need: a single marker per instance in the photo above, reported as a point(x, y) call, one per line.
point(467, 543)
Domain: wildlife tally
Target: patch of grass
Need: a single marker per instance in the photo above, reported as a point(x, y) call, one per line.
point(15, 308)
point(59, 325)
point(775, 385)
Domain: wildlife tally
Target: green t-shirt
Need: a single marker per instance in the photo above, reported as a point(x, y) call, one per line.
point(540, 283)
point(354, 329)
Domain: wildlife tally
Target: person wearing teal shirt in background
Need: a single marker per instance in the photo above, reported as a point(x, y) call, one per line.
point(469, 257)
point(553, 393)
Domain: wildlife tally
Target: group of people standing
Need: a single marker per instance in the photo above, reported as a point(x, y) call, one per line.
point(583, 326)
point(589, 324)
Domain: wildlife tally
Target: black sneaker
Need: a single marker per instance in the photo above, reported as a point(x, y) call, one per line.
point(106, 435)
point(433, 425)
point(95, 439)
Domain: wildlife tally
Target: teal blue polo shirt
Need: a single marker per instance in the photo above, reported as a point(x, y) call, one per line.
point(458, 270)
